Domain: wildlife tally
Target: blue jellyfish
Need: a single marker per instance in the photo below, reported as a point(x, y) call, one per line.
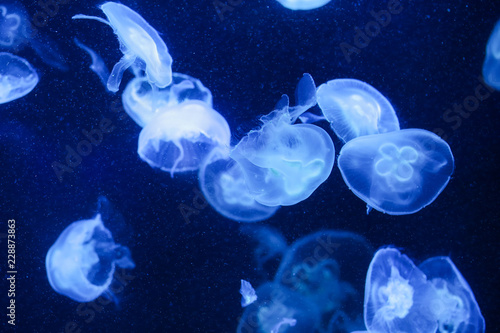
point(82, 261)
point(354, 108)
point(247, 292)
point(397, 295)
point(455, 306)
point(143, 101)
point(140, 43)
point(181, 138)
point(98, 66)
point(303, 4)
point(17, 77)
point(491, 66)
point(397, 172)
point(284, 163)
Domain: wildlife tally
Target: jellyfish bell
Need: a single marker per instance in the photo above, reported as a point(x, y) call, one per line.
point(303, 4)
point(17, 77)
point(491, 66)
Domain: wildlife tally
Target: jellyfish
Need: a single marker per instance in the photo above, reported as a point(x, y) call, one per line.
point(17, 77)
point(284, 163)
point(303, 4)
point(142, 102)
point(140, 44)
point(455, 307)
point(397, 172)
point(179, 139)
point(98, 66)
point(223, 185)
point(247, 292)
point(82, 261)
point(491, 66)
point(354, 108)
point(397, 295)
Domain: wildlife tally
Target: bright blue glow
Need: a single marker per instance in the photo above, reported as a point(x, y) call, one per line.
point(247, 292)
point(397, 295)
point(398, 172)
point(142, 101)
point(303, 4)
point(98, 66)
point(284, 163)
point(140, 43)
point(354, 108)
point(81, 263)
point(17, 77)
point(491, 66)
point(180, 139)
point(455, 307)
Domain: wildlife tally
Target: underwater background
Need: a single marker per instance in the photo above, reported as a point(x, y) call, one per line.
point(188, 271)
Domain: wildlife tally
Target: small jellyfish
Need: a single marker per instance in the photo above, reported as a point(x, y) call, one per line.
point(397, 295)
point(140, 44)
point(17, 77)
point(142, 102)
point(284, 163)
point(354, 108)
point(455, 307)
point(179, 139)
point(397, 172)
point(303, 4)
point(491, 66)
point(82, 261)
point(247, 292)
point(98, 66)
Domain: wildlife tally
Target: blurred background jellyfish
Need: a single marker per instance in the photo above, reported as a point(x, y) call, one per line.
point(82, 261)
point(397, 172)
point(97, 66)
point(320, 268)
point(491, 66)
point(397, 295)
point(284, 163)
point(142, 101)
point(354, 108)
point(455, 306)
point(17, 77)
point(303, 4)
point(178, 140)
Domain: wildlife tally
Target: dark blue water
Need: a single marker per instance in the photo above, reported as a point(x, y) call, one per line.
point(187, 273)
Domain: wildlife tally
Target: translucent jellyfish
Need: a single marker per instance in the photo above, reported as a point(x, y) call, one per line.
point(223, 185)
point(319, 267)
point(247, 292)
point(82, 261)
point(491, 66)
point(354, 108)
point(142, 102)
point(98, 66)
point(17, 77)
point(303, 4)
point(140, 44)
point(398, 172)
point(284, 163)
point(180, 139)
point(270, 242)
point(397, 295)
point(279, 310)
point(455, 307)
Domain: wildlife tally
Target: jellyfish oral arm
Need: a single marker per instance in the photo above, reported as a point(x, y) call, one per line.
point(88, 17)
point(117, 73)
point(247, 292)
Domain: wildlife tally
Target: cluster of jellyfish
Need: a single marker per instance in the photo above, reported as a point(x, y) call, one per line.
point(318, 289)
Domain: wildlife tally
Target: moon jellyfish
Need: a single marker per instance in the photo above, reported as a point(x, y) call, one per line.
point(247, 292)
point(279, 310)
point(270, 243)
point(284, 163)
point(223, 185)
point(140, 44)
point(142, 102)
point(303, 4)
point(397, 295)
point(398, 172)
point(98, 66)
point(82, 261)
point(179, 139)
point(354, 108)
point(455, 306)
point(17, 77)
point(491, 66)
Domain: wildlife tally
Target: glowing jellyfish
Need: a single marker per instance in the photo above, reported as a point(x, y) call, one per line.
point(82, 261)
point(17, 77)
point(455, 307)
point(397, 295)
point(303, 4)
point(398, 172)
point(142, 102)
point(491, 66)
point(284, 163)
point(179, 139)
point(354, 108)
point(279, 310)
point(247, 292)
point(140, 44)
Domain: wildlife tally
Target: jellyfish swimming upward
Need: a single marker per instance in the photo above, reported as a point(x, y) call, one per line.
point(17, 77)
